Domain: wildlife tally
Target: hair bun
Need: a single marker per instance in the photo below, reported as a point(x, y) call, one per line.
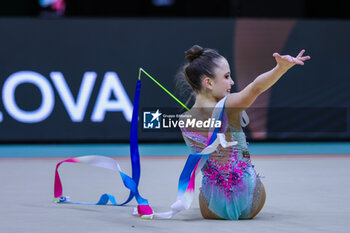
point(193, 53)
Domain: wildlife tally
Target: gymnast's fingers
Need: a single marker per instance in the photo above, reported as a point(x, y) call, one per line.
point(301, 53)
point(305, 58)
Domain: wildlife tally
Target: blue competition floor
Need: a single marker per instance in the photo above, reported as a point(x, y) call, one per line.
point(180, 149)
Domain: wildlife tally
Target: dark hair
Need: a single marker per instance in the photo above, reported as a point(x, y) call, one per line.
point(201, 63)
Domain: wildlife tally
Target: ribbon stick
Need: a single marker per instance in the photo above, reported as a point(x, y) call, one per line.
point(161, 86)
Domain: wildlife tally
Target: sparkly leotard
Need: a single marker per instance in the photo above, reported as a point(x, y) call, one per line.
point(230, 184)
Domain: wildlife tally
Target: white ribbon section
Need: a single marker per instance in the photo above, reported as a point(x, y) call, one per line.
point(220, 139)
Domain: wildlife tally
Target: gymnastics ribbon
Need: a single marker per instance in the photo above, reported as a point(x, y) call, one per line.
point(186, 185)
point(109, 163)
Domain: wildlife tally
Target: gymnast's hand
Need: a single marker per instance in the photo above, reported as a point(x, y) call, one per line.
point(286, 61)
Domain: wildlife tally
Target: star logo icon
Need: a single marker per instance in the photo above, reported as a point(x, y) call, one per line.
point(156, 115)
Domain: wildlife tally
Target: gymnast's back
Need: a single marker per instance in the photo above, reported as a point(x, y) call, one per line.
point(231, 188)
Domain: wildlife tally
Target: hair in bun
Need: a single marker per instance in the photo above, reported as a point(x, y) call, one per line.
point(201, 63)
point(193, 53)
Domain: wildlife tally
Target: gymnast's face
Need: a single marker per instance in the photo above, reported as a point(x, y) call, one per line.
point(221, 85)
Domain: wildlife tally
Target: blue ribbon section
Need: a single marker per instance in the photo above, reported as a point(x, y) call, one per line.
point(185, 176)
point(134, 146)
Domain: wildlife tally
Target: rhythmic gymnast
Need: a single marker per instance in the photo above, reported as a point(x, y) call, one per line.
point(231, 188)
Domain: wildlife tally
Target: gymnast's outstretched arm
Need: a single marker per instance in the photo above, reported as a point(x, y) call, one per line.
point(245, 98)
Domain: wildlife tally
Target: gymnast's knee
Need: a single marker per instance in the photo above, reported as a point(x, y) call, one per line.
point(203, 206)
